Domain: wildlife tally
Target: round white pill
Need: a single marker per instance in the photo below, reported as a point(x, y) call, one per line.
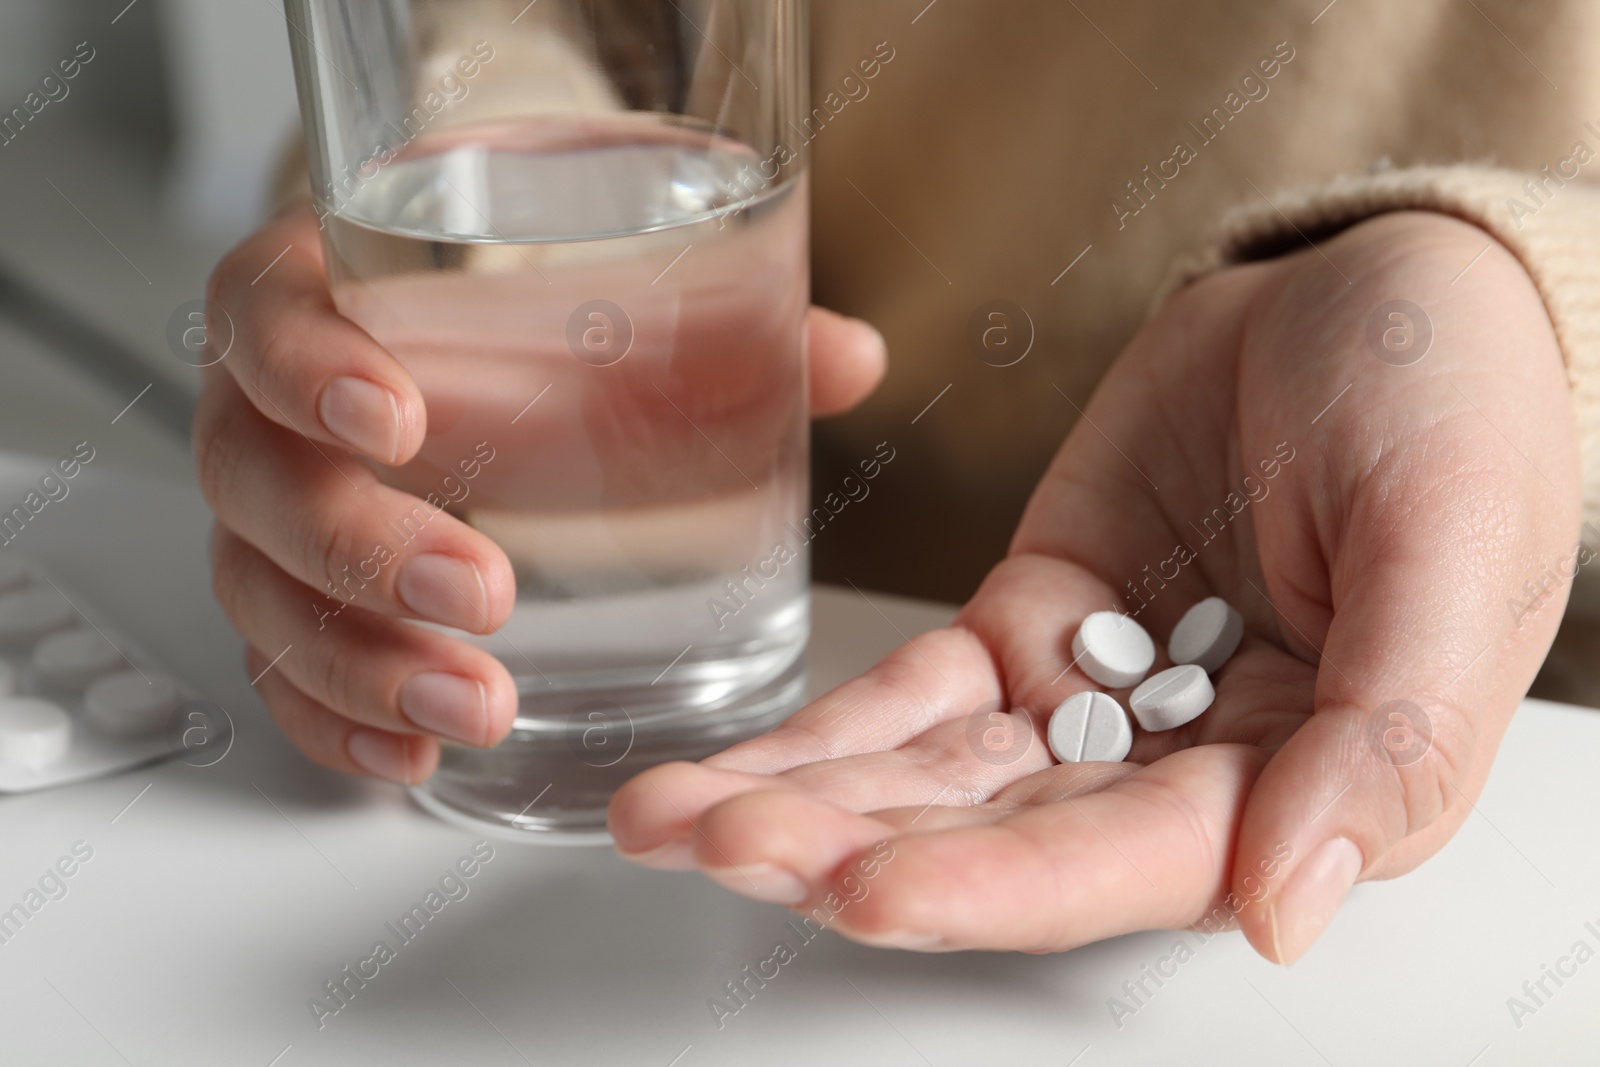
point(33, 733)
point(1113, 649)
point(1090, 726)
point(14, 570)
point(27, 614)
point(1207, 635)
point(73, 657)
point(1171, 698)
point(126, 703)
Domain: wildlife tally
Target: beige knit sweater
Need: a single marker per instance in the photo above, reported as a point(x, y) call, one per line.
point(1080, 158)
point(1001, 143)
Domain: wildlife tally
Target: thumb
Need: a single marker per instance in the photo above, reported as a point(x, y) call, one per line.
point(1422, 667)
point(848, 360)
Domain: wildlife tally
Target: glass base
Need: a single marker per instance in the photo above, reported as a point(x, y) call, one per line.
point(549, 782)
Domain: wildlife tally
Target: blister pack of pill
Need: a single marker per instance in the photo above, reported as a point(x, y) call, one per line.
point(78, 698)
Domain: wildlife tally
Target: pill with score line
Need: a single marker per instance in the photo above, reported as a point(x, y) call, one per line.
point(1207, 636)
point(1167, 700)
point(1113, 649)
point(1089, 727)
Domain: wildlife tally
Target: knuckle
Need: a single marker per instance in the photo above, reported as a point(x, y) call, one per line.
point(327, 551)
point(278, 356)
point(1425, 788)
point(296, 722)
point(222, 275)
point(227, 577)
point(1201, 851)
point(884, 913)
point(1419, 793)
point(329, 675)
point(224, 582)
point(898, 899)
point(315, 729)
point(332, 760)
point(217, 453)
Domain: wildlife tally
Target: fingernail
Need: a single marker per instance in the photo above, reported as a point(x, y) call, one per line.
point(1312, 895)
point(444, 589)
point(761, 881)
point(904, 939)
point(875, 336)
point(447, 705)
point(381, 755)
point(364, 415)
point(672, 856)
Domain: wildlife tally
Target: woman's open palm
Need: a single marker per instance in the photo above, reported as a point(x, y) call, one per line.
point(1369, 460)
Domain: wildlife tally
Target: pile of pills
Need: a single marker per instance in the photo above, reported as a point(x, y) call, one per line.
point(1115, 651)
point(77, 699)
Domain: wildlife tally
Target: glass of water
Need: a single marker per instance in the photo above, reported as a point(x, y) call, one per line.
point(581, 225)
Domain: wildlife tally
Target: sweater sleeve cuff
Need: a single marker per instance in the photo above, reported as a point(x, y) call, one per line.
point(1551, 224)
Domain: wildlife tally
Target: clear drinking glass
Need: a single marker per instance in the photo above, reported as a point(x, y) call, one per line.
point(581, 225)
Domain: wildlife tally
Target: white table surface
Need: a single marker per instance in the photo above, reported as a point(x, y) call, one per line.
point(225, 896)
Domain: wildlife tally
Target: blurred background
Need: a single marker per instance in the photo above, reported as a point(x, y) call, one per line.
point(119, 195)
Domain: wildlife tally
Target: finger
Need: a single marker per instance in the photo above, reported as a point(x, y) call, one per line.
point(1389, 757)
point(300, 362)
point(1151, 850)
point(930, 723)
point(333, 740)
point(820, 821)
point(1018, 626)
point(959, 735)
point(410, 679)
point(848, 360)
point(937, 676)
point(1420, 673)
point(333, 526)
point(649, 816)
point(652, 817)
point(810, 841)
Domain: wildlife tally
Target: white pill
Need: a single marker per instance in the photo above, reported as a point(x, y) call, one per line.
point(73, 657)
point(28, 614)
point(1113, 649)
point(14, 571)
point(1090, 726)
point(126, 703)
point(33, 733)
point(1171, 698)
point(1207, 635)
